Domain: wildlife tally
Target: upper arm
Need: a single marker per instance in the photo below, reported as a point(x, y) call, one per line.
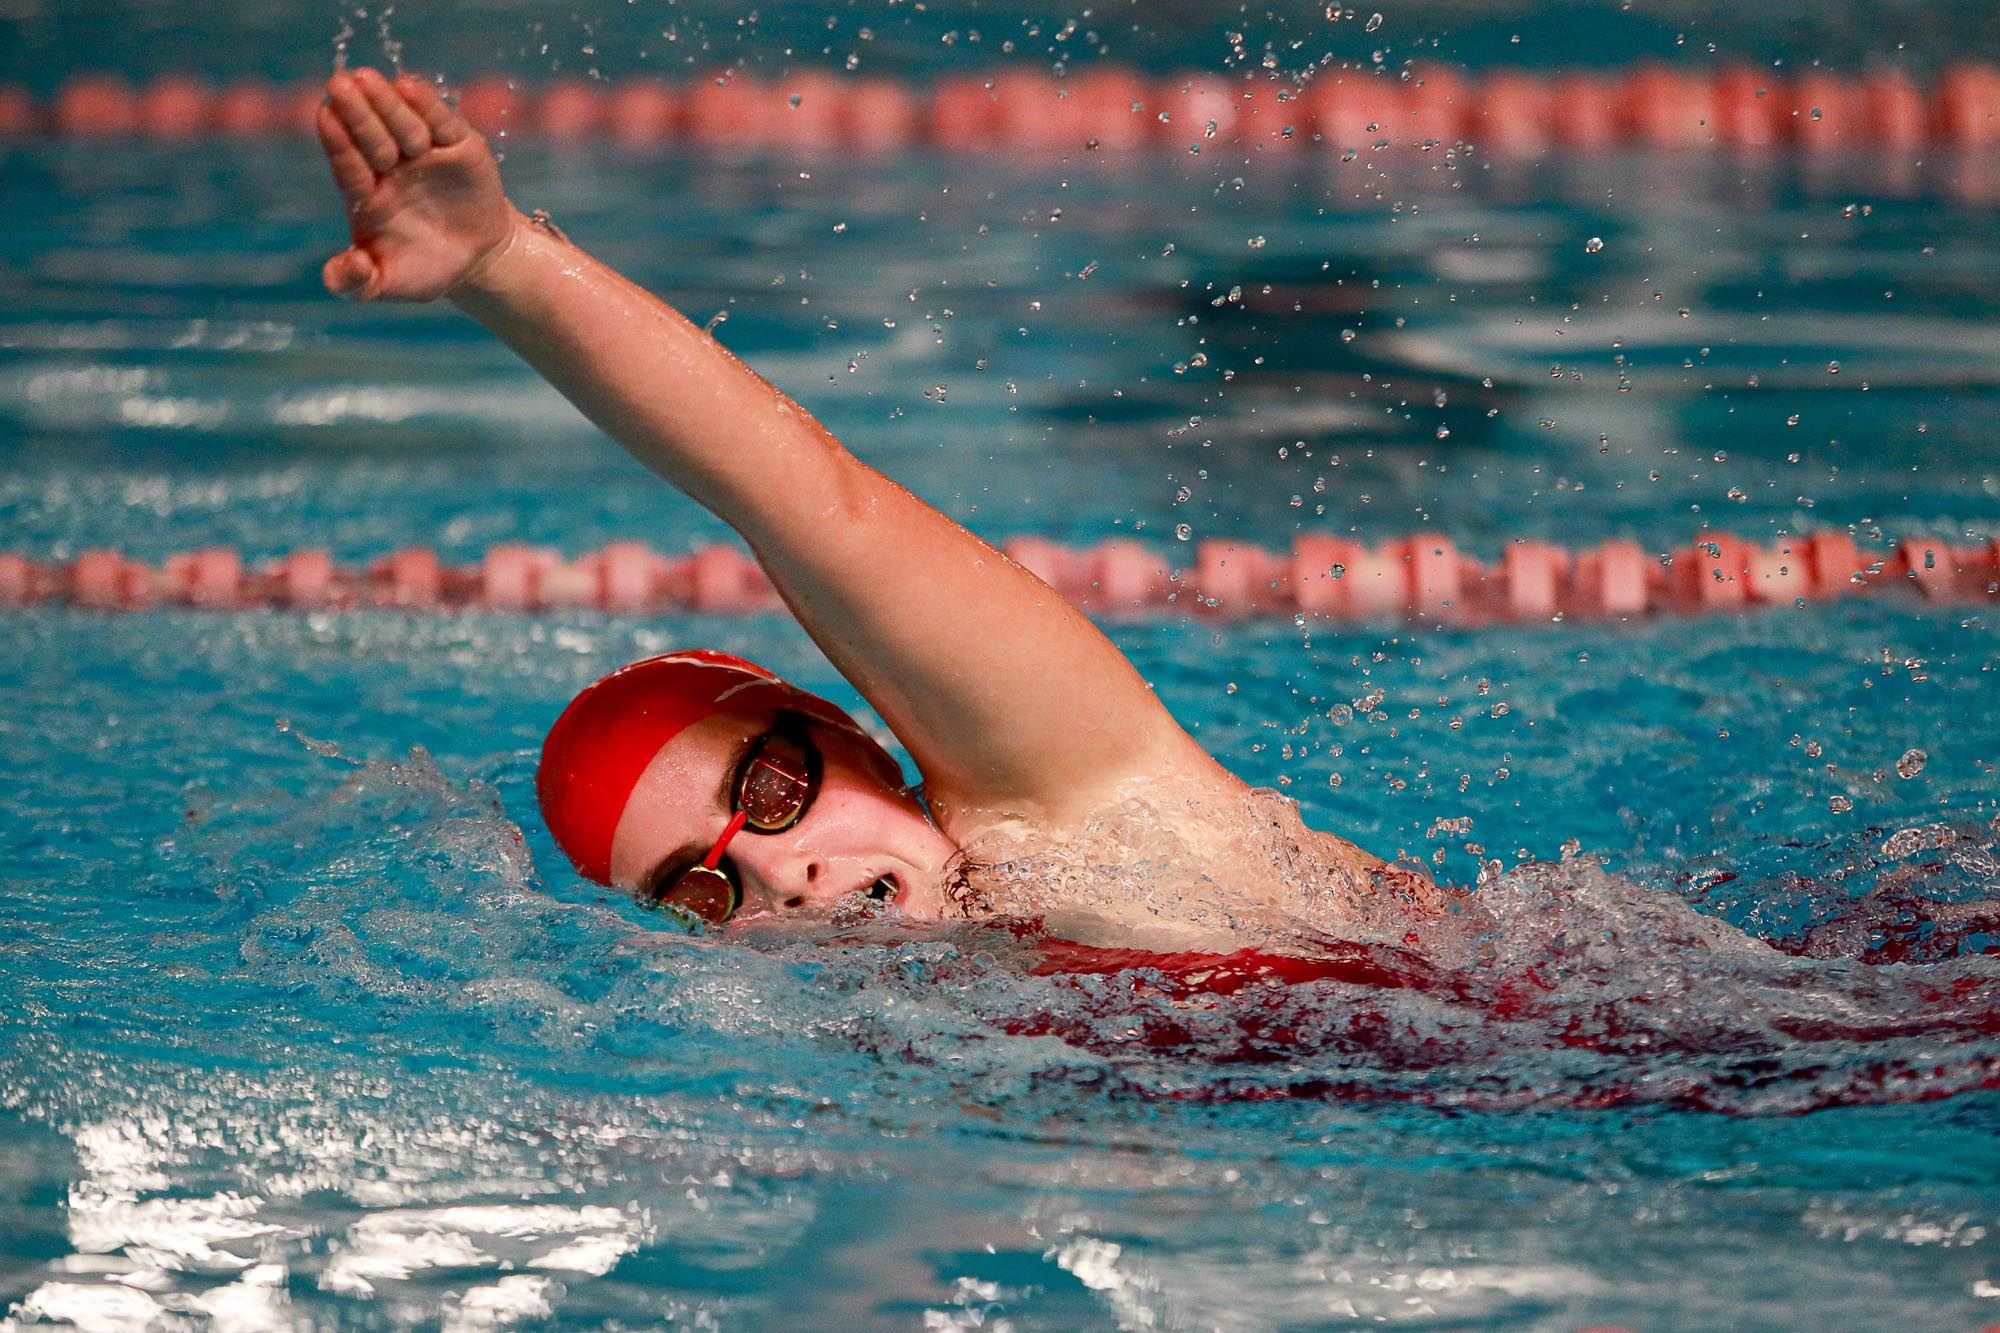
point(1007, 696)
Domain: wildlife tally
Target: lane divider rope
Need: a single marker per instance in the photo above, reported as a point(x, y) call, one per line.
point(1422, 577)
point(1503, 111)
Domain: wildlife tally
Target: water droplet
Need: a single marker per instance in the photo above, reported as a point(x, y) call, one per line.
point(1374, 22)
point(1833, 367)
point(1182, 531)
point(1347, 335)
point(1256, 242)
point(1593, 245)
point(839, 227)
point(1792, 420)
point(1912, 763)
point(1840, 805)
point(1444, 432)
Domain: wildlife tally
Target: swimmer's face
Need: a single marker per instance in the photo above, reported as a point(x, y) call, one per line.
point(862, 826)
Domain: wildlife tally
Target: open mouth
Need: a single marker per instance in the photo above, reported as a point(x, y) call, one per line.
point(883, 890)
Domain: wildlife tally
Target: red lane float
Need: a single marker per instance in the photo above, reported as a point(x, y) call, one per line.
point(177, 107)
point(1671, 107)
point(1424, 578)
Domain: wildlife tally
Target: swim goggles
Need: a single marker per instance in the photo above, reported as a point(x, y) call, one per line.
point(774, 785)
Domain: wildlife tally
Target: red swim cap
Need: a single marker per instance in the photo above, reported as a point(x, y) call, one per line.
point(604, 740)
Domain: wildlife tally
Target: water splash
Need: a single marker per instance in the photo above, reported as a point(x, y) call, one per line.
point(344, 35)
point(1580, 989)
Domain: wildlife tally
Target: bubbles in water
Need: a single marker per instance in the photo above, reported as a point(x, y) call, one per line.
point(1840, 805)
point(1911, 764)
point(1374, 22)
point(1347, 335)
point(341, 38)
point(1183, 531)
point(1593, 245)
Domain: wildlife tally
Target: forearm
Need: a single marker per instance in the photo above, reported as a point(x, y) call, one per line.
point(675, 398)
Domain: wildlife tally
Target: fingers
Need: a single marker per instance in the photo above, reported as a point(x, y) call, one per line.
point(364, 124)
point(352, 175)
point(446, 124)
point(351, 273)
point(412, 135)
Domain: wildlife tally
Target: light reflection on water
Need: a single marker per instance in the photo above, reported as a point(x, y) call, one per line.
point(296, 1041)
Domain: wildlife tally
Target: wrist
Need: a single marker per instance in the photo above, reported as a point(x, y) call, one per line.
point(491, 274)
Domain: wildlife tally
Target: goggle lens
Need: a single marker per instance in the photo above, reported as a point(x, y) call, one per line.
point(774, 791)
point(703, 892)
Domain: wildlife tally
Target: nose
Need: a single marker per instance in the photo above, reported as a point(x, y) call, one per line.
point(777, 873)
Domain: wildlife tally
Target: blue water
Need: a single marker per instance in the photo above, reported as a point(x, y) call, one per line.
point(307, 1024)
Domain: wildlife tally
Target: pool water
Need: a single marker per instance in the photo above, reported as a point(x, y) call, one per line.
point(309, 1025)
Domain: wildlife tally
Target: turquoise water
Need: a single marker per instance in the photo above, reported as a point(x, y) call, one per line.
point(310, 1026)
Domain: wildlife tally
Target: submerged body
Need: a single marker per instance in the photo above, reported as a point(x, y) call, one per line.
point(1038, 745)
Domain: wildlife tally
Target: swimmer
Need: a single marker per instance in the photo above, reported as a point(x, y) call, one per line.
point(702, 782)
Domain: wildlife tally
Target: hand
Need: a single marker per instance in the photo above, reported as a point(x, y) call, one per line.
point(424, 203)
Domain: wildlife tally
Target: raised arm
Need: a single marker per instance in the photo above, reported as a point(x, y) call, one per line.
point(1008, 698)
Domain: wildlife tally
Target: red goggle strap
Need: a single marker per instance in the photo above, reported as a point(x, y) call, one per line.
point(714, 858)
